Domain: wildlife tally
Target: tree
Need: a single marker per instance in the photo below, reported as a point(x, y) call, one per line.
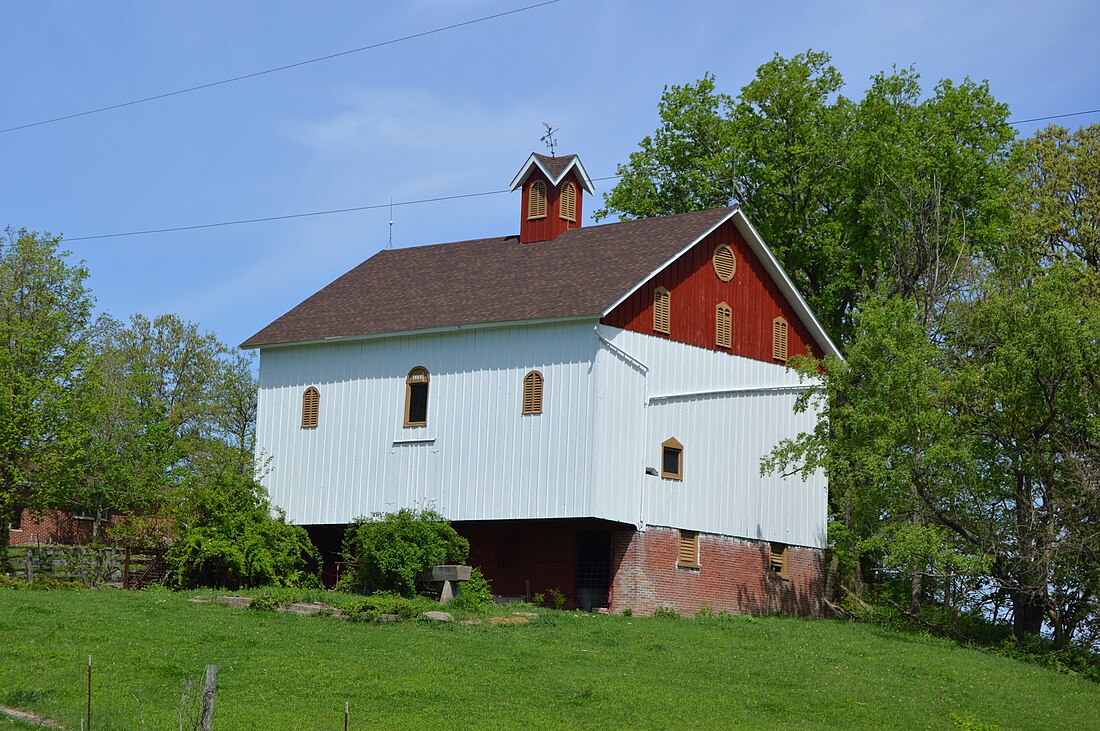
point(45, 310)
point(1057, 193)
point(889, 194)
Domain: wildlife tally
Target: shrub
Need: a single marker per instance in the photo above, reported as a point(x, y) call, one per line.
point(265, 602)
point(705, 612)
point(474, 593)
point(370, 608)
point(666, 613)
point(538, 599)
point(388, 550)
point(229, 538)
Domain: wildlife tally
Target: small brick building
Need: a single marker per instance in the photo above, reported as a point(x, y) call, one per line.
point(589, 405)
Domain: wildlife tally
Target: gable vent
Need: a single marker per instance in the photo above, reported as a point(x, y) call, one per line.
point(536, 200)
point(779, 339)
point(723, 325)
point(725, 263)
point(568, 203)
point(662, 304)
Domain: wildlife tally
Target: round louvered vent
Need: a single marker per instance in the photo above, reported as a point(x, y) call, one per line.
point(725, 265)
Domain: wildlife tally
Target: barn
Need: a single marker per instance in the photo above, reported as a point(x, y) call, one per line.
point(588, 404)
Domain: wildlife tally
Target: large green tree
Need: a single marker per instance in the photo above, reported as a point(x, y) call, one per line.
point(45, 312)
point(891, 193)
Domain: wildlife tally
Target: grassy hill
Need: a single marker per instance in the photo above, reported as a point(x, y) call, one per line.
point(562, 670)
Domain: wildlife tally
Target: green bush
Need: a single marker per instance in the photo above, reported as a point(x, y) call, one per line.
point(265, 602)
point(474, 594)
point(229, 539)
point(557, 598)
point(666, 613)
point(388, 550)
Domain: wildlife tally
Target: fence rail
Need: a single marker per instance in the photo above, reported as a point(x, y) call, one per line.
point(125, 567)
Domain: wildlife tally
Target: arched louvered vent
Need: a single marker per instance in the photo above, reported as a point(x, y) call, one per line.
point(311, 407)
point(568, 202)
point(723, 325)
point(536, 200)
point(725, 264)
point(416, 397)
point(532, 393)
point(662, 304)
point(779, 339)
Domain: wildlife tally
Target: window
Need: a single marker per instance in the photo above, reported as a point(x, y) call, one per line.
point(688, 554)
point(532, 393)
point(536, 200)
point(662, 303)
point(311, 405)
point(416, 397)
point(723, 325)
point(17, 519)
point(725, 263)
point(779, 339)
point(778, 564)
point(568, 202)
point(672, 460)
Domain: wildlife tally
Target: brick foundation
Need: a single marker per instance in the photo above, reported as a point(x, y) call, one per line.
point(733, 576)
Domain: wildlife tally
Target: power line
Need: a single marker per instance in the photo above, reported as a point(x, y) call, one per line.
point(276, 69)
point(1054, 116)
point(285, 217)
point(413, 202)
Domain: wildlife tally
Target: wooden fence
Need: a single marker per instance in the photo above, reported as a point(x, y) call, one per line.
point(123, 567)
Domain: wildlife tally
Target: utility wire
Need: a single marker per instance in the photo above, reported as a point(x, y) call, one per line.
point(1054, 116)
point(308, 214)
point(413, 202)
point(277, 68)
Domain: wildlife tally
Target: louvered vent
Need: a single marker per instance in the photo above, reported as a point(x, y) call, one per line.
point(532, 393)
point(662, 304)
point(778, 566)
point(779, 339)
point(311, 406)
point(568, 202)
point(536, 200)
point(723, 325)
point(688, 555)
point(725, 264)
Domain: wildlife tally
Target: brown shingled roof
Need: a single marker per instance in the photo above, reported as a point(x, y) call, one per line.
point(555, 165)
point(580, 273)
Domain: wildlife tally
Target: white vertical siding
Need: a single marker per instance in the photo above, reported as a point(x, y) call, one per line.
point(478, 457)
point(724, 437)
point(606, 410)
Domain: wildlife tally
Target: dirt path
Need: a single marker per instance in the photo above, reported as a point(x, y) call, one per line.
point(29, 717)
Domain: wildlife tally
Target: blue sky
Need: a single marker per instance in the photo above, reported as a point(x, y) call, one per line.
point(450, 113)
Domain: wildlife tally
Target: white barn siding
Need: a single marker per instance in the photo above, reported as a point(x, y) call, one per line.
point(724, 437)
point(477, 459)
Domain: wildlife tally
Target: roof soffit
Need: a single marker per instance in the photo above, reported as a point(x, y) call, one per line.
point(538, 161)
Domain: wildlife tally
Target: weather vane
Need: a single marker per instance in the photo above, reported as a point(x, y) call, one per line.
point(548, 139)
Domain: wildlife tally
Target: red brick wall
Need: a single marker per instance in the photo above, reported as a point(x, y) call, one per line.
point(51, 527)
point(733, 576)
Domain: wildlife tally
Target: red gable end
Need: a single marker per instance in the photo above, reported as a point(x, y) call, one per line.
point(696, 290)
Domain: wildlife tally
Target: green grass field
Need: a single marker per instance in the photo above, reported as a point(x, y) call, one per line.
point(563, 670)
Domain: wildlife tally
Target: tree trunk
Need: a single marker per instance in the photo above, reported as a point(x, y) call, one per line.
point(915, 592)
point(1027, 614)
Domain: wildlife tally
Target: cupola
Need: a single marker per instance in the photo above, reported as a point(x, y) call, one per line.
point(553, 188)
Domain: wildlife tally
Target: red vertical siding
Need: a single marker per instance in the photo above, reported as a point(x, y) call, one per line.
point(695, 288)
point(545, 229)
